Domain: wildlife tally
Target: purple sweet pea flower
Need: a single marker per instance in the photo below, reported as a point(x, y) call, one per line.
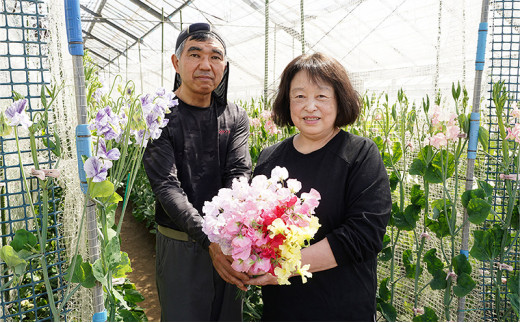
point(96, 169)
point(16, 115)
point(160, 91)
point(170, 99)
point(106, 124)
point(112, 154)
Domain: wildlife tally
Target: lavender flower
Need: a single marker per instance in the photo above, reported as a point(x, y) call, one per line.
point(97, 169)
point(106, 124)
point(112, 154)
point(16, 115)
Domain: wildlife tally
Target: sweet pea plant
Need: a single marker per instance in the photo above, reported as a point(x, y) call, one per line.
point(27, 249)
point(262, 130)
point(495, 242)
point(423, 155)
point(264, 225)
point(121, 129)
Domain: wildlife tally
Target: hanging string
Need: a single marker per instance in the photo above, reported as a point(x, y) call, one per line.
point(266, 57)
point(274, 53)
point(302, 20)
point(436, 80)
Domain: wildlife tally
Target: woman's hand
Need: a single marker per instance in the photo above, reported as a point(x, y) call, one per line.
point(262, 280)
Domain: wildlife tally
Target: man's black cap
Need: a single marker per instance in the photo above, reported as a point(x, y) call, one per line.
point(197, 28)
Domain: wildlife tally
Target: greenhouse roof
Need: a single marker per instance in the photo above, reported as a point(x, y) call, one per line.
point(384, 44)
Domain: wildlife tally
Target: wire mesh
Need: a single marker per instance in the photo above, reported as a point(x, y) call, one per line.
point(24, 68)
point(505, 66)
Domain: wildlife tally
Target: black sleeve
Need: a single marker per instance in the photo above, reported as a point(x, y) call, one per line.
point(238, 160)
point(369, 203)
point(159, 164)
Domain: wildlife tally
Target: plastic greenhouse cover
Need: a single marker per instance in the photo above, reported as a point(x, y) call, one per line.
point(384, 44)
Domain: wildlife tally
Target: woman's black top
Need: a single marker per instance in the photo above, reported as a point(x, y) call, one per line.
point(354, 210)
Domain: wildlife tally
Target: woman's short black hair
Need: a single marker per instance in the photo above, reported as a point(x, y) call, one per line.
point(319, 67)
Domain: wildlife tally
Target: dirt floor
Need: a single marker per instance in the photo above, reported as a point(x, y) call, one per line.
point(139, 243)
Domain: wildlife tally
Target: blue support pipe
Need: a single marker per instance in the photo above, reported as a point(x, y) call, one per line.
point(473, 134)
point(83, 142)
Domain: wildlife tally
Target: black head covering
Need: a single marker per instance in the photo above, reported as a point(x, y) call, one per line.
point(198, 28)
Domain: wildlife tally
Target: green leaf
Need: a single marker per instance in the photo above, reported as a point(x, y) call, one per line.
point(99, 272)
point(12, 259)
point(483, 137)
point(23, 239)
point(395, 212)
point(82, 273)
point(5, 128)
point(387, 310)
point(515, 303)
point(385, 254)
point(113, 253)
point(123, 267)
point(478, 210)
point(465, 284)
point(513, 284)
point(417, 167)
point(472, 194)
point(433, 263)
point(487, 244)
point(417, 196)
point(433, 175)
point(408, 264)
point(488, 189)
point(101, 189)
point(394, 180)
point(461, 265)
point(444, 161)
point(439, 281)
point(133, 296)
point(379, 142)
point(386, 240)
point(439, 226)
point(397, 152)
point(428, 316)
point(110, 212)
point(408, 219)
point(115, 199)
point(384, 292)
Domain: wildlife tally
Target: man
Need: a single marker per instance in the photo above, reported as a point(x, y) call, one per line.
point(202, 149)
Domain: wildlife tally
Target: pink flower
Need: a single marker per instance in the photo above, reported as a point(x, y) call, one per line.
point(418, 311)
point(451, 275)
point(440, 115)
point(452, 132)
point(255, 122)
point(439, 140)
point(263, 225)
point(241, 247)
point(425, 235)
point(513, 133)
point(516, 112)
point(509, 176)
point(504, 280)
point(504, 266)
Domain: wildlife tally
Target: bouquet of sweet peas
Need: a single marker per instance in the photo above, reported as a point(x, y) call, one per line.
point(264, 225)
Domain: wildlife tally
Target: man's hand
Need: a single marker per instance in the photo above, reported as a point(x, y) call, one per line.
point(222, 264)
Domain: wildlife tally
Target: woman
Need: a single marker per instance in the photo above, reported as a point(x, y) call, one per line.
point(316, 96)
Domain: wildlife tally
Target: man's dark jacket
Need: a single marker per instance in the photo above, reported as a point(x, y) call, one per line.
point(180, 179)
